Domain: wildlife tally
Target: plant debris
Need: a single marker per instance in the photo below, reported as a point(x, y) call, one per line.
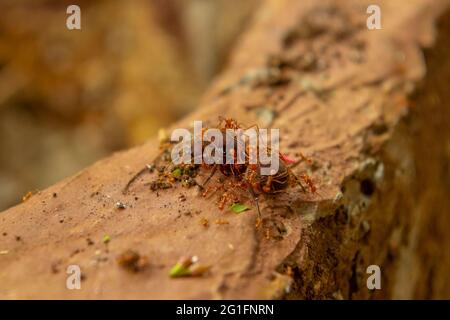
point(169, 174)
point(238, 207)
point(163, 136)
point(176, 173)
point(27, 196)
point(132, 261)
point(188, 267)
point(106, 239)
point(159, 185)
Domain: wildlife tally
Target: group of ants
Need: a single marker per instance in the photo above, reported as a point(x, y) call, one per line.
point(246, 176)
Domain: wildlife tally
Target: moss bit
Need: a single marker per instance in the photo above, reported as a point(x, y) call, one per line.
point(106, 239)
point(177, 173)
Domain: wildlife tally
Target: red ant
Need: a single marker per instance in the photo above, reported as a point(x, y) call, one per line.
point(245, 175)
point(248, 176)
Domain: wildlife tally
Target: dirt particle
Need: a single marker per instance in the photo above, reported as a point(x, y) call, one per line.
point(120, 205)
point(159, 185)
point(337, 295)
point(380, 128)
point(54, 267)
point(75, 252)
point(365, 228)
point(367, 187)
point(27, 196)
point(221, 221)
point(204, 222)
point(132, 261)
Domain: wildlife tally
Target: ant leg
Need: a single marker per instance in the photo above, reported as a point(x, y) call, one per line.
point(291, 101)
point(141, 172)
point(297, 180)
point(309, 182)
point(301, 184)
point(223, 200)
point(256, 200)
point(303, 158)
point(213, 171)
point(213, 189)
point(135, 177)
point(253, 126)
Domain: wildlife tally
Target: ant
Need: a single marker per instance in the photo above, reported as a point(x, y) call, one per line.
point(234, 169)
point(248, 176)
point(245, 176)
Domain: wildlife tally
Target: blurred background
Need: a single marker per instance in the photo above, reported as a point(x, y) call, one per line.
point(70, 97)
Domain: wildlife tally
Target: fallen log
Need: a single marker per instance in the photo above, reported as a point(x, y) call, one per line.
point(368, 107)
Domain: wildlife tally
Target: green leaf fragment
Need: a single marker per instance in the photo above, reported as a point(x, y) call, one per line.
point(176, 173)
point(106, 239)
point(179, 270)
point(239, 207)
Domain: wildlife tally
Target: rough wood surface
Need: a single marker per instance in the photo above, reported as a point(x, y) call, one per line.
point(369, 107)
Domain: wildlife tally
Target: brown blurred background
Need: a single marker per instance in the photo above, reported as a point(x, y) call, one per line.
point(68, 98)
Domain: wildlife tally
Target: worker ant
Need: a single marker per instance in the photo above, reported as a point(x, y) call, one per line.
point(249, 177)
point(238, 175)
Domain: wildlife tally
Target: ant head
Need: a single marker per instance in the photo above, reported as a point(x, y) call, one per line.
point(228, 123)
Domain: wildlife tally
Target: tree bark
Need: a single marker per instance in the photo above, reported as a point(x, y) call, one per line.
point(369, 107)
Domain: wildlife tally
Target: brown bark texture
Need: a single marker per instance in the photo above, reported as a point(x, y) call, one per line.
point(370, 108)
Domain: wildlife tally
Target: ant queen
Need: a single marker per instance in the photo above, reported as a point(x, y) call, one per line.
point(241, 156)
